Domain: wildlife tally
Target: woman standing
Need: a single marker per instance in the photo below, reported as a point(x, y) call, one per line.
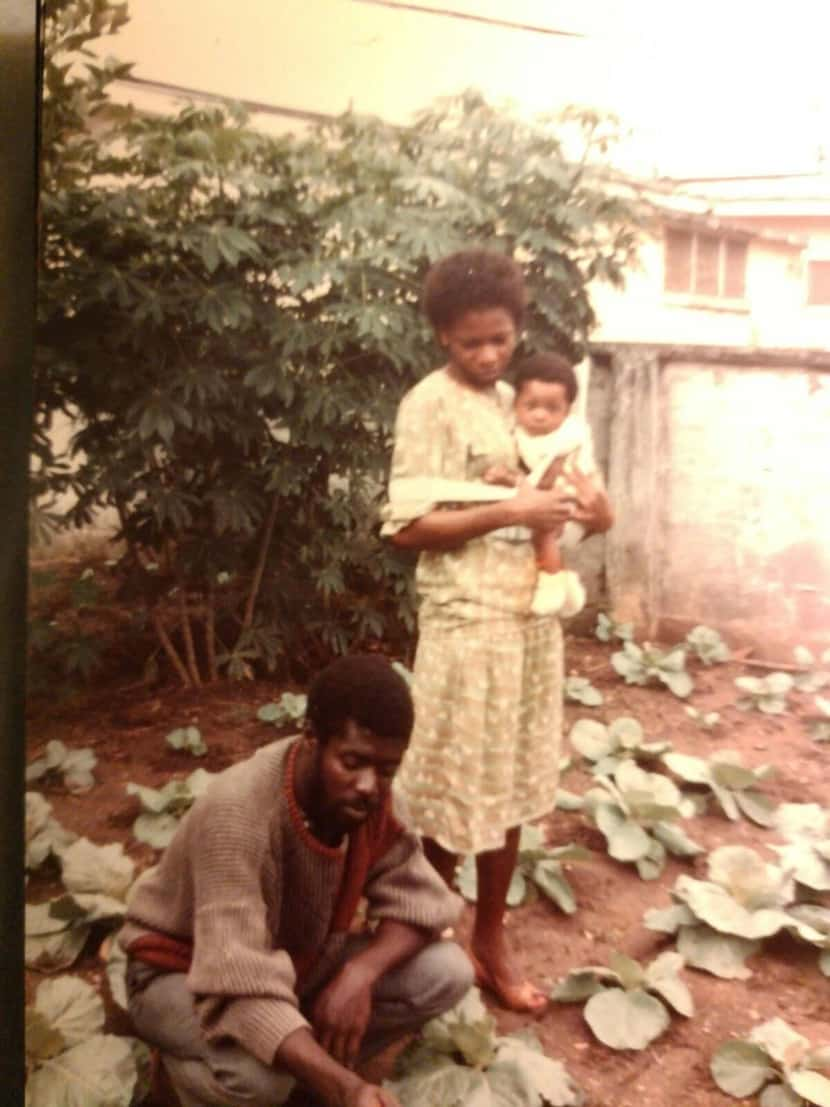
point(484, 757)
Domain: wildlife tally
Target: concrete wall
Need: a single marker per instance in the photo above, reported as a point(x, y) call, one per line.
point(718, 470)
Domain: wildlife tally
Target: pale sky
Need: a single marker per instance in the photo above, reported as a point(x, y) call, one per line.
point(712, 87)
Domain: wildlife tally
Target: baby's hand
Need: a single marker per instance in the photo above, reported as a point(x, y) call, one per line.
point(500, 474)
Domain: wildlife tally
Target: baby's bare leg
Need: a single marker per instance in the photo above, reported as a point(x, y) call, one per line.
point(546, 548)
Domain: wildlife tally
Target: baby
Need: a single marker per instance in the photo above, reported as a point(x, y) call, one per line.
point(551, 442)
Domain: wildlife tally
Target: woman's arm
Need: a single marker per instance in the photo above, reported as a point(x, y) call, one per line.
point(447, 530)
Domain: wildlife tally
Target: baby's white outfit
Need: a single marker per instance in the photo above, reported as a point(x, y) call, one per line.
point(560, 593)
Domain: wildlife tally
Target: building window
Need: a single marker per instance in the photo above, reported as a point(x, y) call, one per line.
point(818, 281)
point(705, 263)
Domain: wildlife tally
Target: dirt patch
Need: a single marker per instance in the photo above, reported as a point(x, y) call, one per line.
point(127, 731)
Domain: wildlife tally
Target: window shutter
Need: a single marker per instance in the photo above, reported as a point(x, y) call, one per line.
point(818, 282)
point(707, 269)
point(678, 260)
point(735, 269)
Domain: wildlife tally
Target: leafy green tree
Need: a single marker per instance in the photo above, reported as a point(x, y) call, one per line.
point(232, 319)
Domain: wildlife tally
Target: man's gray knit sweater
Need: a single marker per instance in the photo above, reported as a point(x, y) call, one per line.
point(252, 889)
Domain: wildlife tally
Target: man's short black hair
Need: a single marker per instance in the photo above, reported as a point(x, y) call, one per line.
point(364, 688)
point(473, 280)
point(550, 367)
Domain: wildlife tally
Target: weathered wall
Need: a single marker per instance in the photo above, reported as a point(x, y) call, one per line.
point(719, 469)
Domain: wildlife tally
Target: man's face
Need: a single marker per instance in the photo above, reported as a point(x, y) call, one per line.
point(353, 775)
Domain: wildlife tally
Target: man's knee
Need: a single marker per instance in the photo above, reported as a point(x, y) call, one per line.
point(441, 976)
point(230, 1076)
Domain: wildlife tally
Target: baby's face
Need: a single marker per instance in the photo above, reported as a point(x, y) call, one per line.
point(541, 406)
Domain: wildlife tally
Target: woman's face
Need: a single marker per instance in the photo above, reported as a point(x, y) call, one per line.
point(479, 345)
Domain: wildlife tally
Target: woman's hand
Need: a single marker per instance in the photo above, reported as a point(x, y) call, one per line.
point(542, 510)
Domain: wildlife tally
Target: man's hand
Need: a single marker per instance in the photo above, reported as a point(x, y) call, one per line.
point(370, 1095)
point(341, 1013)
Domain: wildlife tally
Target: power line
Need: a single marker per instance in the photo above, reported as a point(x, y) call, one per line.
point(489, 20)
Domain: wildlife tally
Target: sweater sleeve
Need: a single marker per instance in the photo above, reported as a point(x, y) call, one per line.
point(244, 988)
point(403, 886)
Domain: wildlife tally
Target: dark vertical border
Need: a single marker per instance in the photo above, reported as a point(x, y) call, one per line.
point(18, 144)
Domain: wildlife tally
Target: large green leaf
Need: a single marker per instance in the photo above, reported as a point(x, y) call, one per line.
point(662, 976)
point(72, 1007)
point(520, 1070)
point(626, 731)
point(155, 830)
point(721, 955)
point(748, 877)
point(117, 972)
point(779, 1095)
point(757, 807)
point(783, 1044)
point(626, 840)
point(811, 1086)
point(98, 1072)
point(51, 944)
point(626, 1020)
point(441, 1081)
point(651, 866)
point(694, 770)
point(86, 867)
point(740, 1068)
point(668, 920)
point(676, 840)
point(680, 684)
point(591, 739)
point(582, 983)
point(549, 877)
point(45, 836)
point(628, 971)
point(715, 906)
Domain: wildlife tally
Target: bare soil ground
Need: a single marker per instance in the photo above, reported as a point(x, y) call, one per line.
point(126, 729)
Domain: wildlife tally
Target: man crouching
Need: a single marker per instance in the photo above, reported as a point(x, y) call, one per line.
point(243, 970)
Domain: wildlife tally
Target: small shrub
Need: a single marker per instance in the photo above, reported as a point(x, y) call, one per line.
point(289, 708)
point(648, 664)
point(722, 920)
point(607, 628)
point(707, 645)
point(636, 812)
point(580, 690)
point(608, 746)
point(74, 767)
point(624, 1008)
point(70, 1060)
point(733, 785)
point(187, 738)
point(459, 1059)
point(163, 807)
point(768, 694)
point(539, 868)
point(775, 1058)
point(707, 720)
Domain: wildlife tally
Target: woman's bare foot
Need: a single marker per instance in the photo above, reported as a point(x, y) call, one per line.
point(496, 972)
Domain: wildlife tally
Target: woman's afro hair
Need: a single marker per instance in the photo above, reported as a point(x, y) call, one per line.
point(473, 280)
